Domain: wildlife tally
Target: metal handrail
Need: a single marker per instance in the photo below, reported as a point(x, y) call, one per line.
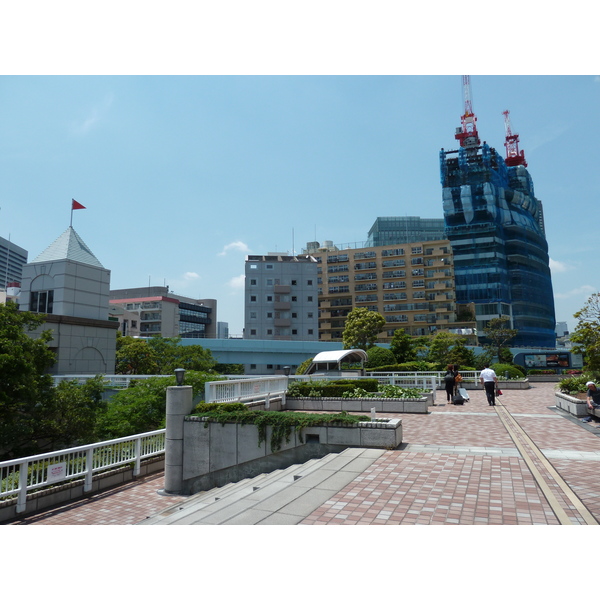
point(22, 475)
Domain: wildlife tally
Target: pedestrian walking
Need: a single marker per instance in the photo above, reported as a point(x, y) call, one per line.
point(489, 380)
point(449, 382)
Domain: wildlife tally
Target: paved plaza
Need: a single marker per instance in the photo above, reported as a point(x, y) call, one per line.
point(520, 463)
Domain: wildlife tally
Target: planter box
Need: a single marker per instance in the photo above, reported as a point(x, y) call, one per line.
point(386, 405)
point(570, 404)
point(216, 454)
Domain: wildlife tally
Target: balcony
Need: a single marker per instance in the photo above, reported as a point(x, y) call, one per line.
point(282, 322)
point(282, 305)
point(282, 289)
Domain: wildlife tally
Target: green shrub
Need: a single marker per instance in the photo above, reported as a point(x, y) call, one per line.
point(410, 367)
point(329, 389)
point(502, 368)
point(378, 356)
point(281, 423)
point(574, 385)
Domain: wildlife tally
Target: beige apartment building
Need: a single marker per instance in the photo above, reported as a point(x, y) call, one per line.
point(411, 285)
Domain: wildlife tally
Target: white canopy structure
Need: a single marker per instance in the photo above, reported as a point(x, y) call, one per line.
point(332, 360)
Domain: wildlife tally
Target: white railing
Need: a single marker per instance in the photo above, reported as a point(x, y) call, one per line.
point(246, 390)
point(22, 475)
point(405, 379)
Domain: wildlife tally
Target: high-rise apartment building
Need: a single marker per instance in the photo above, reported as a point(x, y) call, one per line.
point(495, 226)
point(281, 298)
point(411, 285)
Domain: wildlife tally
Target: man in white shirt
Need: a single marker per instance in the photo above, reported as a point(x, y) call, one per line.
point(489, 380)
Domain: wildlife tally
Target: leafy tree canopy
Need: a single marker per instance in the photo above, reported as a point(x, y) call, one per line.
point(379, 357)
point(361, 329)
point(499, 335)
point(586, 336)
point(404, 346)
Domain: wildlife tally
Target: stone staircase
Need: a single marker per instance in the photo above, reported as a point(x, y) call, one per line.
point(282, 497)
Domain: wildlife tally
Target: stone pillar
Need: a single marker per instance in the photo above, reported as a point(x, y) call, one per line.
point(179, 405)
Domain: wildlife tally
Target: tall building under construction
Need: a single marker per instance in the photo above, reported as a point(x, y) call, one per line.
point(495, 226)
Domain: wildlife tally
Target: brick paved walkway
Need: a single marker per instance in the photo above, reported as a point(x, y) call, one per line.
point(459, 466)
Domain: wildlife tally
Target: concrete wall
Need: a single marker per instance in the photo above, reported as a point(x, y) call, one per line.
point(216, 454)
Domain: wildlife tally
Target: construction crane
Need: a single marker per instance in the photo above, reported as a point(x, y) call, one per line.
point(467, 134)
point(513, 156)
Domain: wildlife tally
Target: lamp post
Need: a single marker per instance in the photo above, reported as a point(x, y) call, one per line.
point(286, 372)
point(179, 405)
point(179, 376)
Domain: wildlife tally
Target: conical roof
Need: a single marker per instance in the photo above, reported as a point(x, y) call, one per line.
point(69, 246)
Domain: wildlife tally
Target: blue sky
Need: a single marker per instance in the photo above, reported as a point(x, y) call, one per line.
point(197, 134)
point(183, 176)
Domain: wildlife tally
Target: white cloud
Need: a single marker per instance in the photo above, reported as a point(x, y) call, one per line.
point(237, 246)
point(96, 113)
point(584, 290)
point(237, 283)
point(558, 267)
point(191, 276)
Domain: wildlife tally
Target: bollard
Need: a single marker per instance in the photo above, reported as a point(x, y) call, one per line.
point(179, 405)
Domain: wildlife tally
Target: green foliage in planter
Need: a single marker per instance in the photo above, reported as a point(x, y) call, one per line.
point(282, 423)
point(574, 385)
point(395, 391)
point(502, 368)
point(329, 389)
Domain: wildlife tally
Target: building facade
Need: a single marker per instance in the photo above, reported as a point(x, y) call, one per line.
point(12, 260)
point(281, 298)
point(70, 286)
point(495, 226)
point(411, 285)
point(388, 231)
point(155, 312)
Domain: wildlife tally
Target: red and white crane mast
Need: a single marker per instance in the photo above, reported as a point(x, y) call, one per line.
point(467, 132)
point(513, 156)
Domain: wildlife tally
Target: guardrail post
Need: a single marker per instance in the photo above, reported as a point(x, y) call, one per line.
point(179, 405)
point(138, 457)
point(22, 496)
point(89, 470)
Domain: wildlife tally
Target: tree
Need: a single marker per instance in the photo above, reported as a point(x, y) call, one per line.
point(25, 386)
point(439, 348)
point(499, 336)
point(362, 327)
point(171, 355)
point(135, 357)
point(142, 407)
point(379, 357)
point(587, 334)
point(403, 346)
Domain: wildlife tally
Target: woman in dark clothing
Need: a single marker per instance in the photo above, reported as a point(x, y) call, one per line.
point(449, 383)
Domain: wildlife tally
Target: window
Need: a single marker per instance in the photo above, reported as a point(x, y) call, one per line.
point(252, 298)
point(309, 282)
point(310, 315)
point(253, 332)
point(253, 282)
point(134, 324)
point(310, 332)
point(294, 298)
point(269, 282)
point(42, 302)
point(269, 266)
point(254, 266)
point(294, 315)
point(269, 315)
point(253, 315)
point(269, 332)
point(294, 282)
point(309, 299)
point(269, 298)
point(294, 332)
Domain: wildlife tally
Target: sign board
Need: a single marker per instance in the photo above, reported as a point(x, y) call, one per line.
point(56, 472)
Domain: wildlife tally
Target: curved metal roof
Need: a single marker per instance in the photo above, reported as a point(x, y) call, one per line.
point(339, 355)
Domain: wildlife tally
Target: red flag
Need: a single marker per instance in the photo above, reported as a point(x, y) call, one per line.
point(76, 206)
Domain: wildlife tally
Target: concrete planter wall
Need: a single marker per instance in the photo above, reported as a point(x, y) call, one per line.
point(570, 404)
point(216, 454)
point(386, 405)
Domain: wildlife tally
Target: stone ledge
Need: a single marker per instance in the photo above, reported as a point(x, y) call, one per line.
point(570, 404)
